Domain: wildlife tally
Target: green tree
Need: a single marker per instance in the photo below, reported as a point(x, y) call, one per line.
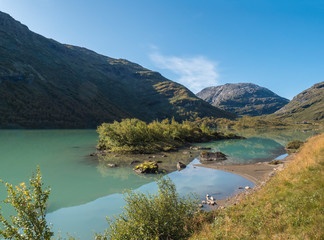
point(29, 202)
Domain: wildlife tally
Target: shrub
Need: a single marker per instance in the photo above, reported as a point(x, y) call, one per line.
point(29, 201)
point(293, 146)
point(164, 215)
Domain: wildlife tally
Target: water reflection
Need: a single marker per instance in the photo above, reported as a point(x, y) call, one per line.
point(249, 150)
point(85, 219)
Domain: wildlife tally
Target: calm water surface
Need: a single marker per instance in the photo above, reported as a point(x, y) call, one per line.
point(83, 193)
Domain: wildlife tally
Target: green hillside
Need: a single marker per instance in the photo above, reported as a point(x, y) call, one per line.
point(306, 106)
point(45, 84)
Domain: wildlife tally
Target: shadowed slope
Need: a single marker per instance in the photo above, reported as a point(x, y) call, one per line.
point(45, 84)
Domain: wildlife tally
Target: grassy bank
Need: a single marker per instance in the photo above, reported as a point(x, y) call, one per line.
point(136, 136)
point(290, 206)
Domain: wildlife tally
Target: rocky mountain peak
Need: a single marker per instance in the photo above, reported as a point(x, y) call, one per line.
point(243, 98)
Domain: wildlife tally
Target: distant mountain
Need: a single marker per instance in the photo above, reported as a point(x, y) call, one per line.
point(45, 84)
point(243, 99)
point(306, 106)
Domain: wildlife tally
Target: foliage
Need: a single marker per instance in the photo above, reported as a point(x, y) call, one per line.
point(164, 215)
point(275, 162)
point(290, 206)
point(240, 123)
point(136, 136)
point(147, 167)
point(293, 146)
point(29, 201)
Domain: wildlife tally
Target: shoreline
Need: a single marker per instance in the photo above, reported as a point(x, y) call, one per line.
point(258, 173)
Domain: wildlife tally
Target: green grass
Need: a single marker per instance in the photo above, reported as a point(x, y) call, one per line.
point(290, 206)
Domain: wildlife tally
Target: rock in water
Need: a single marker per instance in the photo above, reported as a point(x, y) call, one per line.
point(212, 156)
point(181, 165)
point(147, 167)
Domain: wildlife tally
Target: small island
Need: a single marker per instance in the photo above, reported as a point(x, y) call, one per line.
point(153, 147)
point(138, 137)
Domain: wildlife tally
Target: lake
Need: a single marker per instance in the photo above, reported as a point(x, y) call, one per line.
point(83, 192)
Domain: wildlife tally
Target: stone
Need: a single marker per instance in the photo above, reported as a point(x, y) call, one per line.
point(181, 165)
point(203, 202)
point(164, 156)
point(247, 188)
point(200, 205)
point(212, 156)
point(111, 165)
point(196, 148)
point(147, 167)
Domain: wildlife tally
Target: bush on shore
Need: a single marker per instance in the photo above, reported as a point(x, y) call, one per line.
point(293, 146)
point(164, 215)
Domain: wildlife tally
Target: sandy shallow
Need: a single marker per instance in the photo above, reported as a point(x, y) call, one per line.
point(258, 173)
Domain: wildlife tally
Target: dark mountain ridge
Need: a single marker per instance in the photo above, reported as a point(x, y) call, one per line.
point(45, 84)
point(243, 99)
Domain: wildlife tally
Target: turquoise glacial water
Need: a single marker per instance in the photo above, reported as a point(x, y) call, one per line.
point(83, 194)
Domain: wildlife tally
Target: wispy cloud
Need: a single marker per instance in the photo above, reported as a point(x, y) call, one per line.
point(195, 73)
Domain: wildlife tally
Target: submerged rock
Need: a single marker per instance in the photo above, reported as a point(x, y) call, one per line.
point(212, 156)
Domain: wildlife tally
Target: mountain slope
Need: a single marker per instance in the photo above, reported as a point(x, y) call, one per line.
point(243, 99)
point(45, 84)
point(306, 106)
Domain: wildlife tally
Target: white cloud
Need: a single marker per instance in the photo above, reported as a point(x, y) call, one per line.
point(195, 73)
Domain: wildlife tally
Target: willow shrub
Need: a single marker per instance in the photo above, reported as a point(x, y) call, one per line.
point(164, 215)
point(134, 135)
point(29, 201)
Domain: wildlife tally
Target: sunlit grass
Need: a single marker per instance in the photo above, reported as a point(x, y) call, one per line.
point(290, 206)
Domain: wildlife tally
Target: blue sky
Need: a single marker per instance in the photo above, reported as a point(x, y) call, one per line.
point(278, 44)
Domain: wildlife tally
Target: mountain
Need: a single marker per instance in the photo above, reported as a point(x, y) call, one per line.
point(243, 99)
point(306, 106)
point(46, 84)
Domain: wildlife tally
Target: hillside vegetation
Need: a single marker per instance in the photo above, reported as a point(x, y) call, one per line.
point(46, 84)
point(306, 106)
point(290, 206)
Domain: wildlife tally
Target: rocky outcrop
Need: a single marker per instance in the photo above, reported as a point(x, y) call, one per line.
point(243, 99)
